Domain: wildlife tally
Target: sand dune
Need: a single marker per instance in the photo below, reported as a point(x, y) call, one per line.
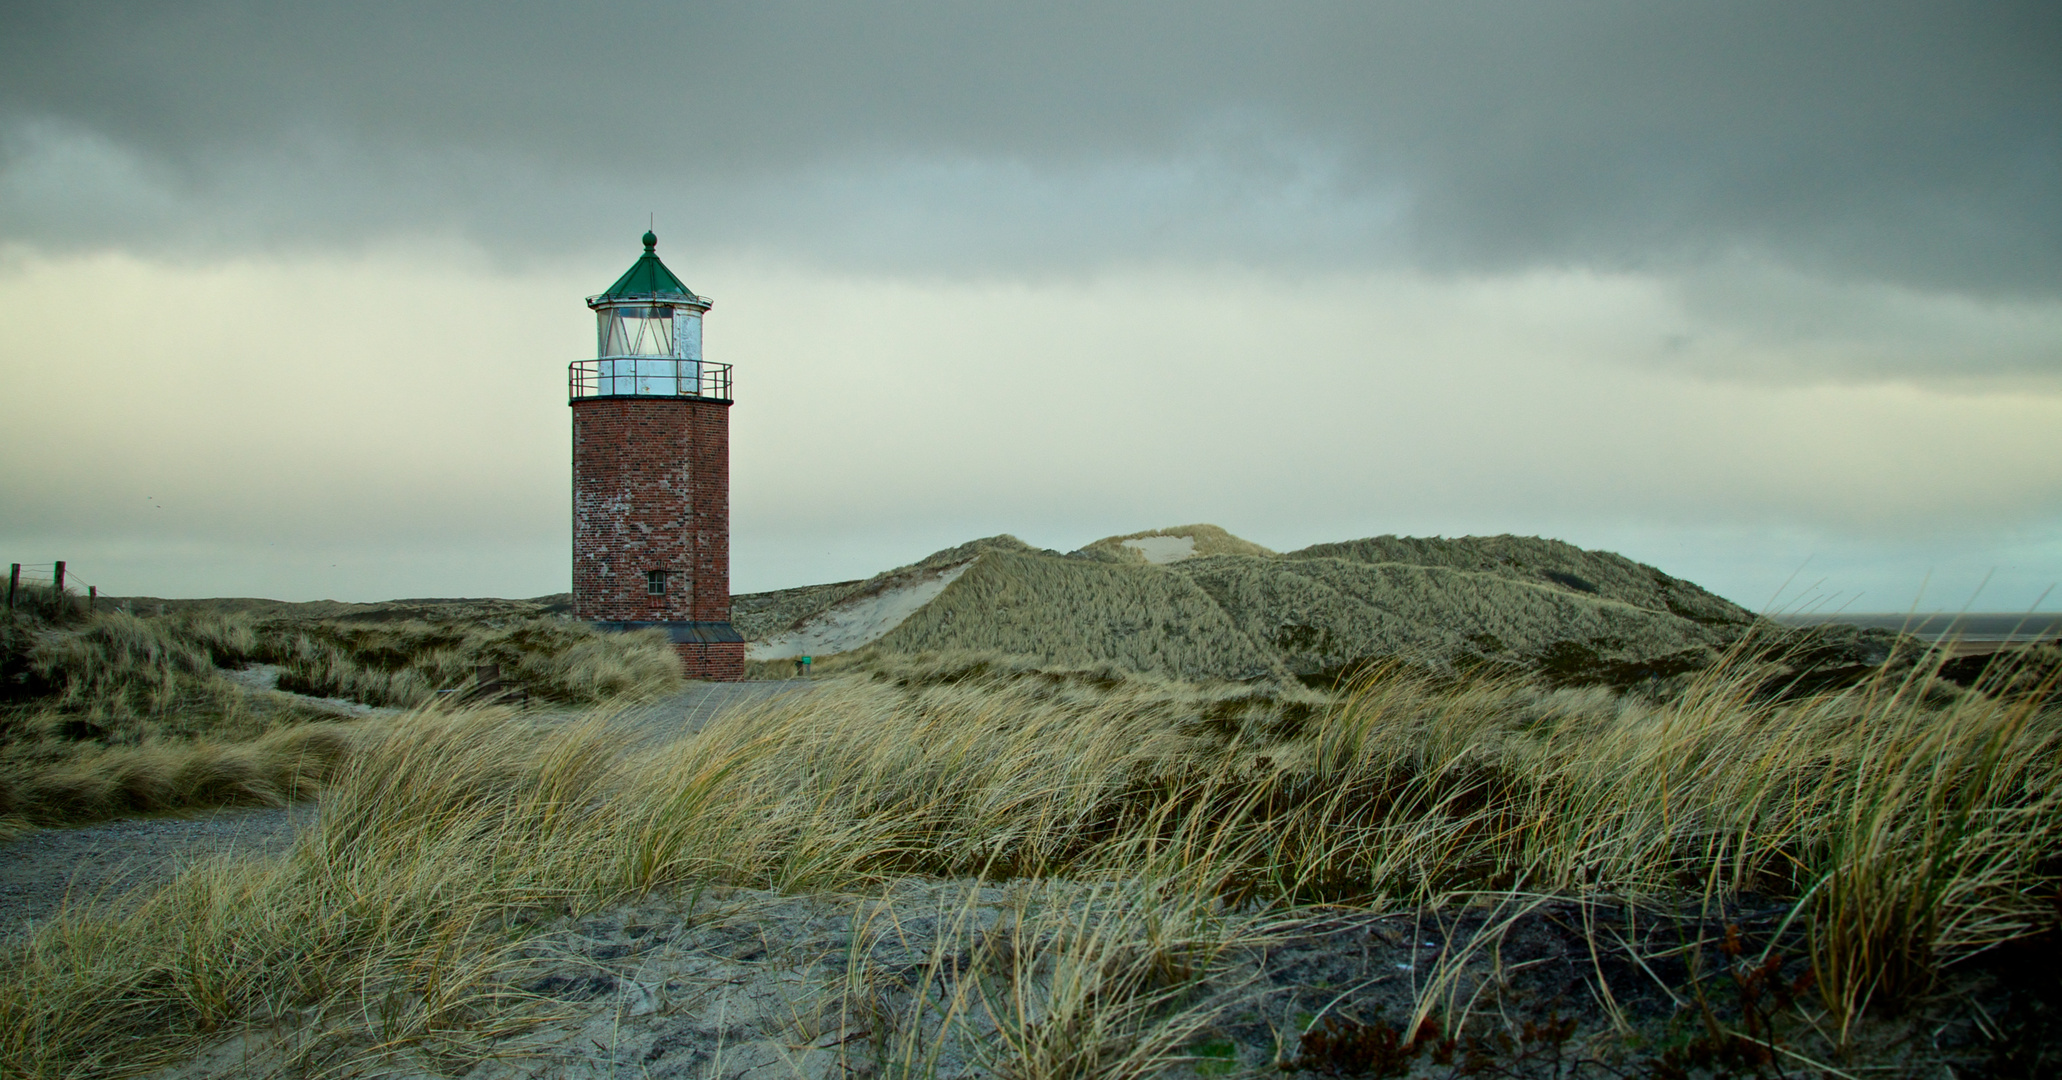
point(1197, 602)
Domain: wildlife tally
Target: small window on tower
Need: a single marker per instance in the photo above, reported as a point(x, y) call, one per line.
point(655, 582)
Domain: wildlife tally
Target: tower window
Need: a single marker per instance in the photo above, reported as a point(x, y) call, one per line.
point(655, 582)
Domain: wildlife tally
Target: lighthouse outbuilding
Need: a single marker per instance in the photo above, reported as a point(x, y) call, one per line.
point(651, 471)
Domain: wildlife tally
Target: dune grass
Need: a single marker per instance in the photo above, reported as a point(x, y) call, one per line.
point(404, 664)
point(1236, 610)
point(105, 713)
point(1530, 558)
point(91, 782)
point(1075, 612)
point(125, 678)
point(1904, 827)
point(108, 713)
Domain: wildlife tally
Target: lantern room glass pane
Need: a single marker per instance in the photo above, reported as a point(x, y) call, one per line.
point(687, 333)
point(649, 377)
point(636, 331)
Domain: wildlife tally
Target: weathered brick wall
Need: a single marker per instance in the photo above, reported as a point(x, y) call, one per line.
point(721, 661)
point(651, 491)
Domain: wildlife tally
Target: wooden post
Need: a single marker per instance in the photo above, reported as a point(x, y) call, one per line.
point(13, 582)
point(92, 597)
point(57, 594)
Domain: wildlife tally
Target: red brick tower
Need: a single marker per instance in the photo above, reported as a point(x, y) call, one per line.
point(651, 472)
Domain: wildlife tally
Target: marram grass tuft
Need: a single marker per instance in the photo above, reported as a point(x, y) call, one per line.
point(1901, 828)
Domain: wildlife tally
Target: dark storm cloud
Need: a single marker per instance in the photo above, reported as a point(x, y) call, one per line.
point(1918, 145)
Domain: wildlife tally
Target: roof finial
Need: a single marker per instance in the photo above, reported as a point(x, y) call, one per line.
point(651, 242)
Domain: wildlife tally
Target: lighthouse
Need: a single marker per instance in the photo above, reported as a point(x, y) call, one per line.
point(651, 471)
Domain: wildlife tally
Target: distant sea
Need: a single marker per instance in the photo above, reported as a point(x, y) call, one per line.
point(1975, 626)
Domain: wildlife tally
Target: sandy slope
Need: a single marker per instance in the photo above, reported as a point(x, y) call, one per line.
point(859, 620)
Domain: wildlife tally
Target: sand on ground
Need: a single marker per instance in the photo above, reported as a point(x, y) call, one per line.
point(856, 622)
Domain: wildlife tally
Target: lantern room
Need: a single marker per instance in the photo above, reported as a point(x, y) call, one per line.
point(648, 338)
point(651, 472)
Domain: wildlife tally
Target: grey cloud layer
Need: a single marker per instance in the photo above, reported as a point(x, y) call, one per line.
point(1917, 145)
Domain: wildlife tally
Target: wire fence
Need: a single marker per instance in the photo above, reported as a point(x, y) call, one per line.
point(53, 590)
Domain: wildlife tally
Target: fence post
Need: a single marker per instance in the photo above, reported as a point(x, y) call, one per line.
point(13, 581)
point(57, 592)
point(92, 597)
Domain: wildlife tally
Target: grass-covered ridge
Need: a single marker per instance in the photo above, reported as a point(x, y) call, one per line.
point(1210, 605)
point(1898, 827)
point(1070, 612)
point(108, 712)
point(404, 664)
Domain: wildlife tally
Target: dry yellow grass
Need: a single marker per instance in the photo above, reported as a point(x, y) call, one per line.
point(404, 664)
point(128, 678)
point(110, 713)
point(1907, 828)
point(93, 781)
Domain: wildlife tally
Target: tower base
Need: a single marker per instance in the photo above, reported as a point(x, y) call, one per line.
point(711, 651)
point(713, 661)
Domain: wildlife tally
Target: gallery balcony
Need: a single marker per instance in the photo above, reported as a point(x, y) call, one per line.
point(647, 376)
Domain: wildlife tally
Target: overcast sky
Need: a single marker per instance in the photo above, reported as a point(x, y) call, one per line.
point(1766, 295)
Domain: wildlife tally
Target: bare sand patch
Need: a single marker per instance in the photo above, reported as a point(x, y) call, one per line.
point(857, 621)
point(1164, 549)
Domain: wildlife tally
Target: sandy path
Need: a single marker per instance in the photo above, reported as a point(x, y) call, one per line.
point(689, 710)
point(107, 859)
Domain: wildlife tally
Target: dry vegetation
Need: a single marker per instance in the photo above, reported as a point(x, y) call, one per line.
point(1242, 617)
point(1238, 611)
point(110, 713)
point(405, 664)
point(1071, 612)
point(1900, 826)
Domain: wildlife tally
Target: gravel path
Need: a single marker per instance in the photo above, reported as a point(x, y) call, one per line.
point(106, 860)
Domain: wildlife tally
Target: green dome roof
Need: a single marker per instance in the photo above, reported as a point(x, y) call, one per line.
point(647, 277)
